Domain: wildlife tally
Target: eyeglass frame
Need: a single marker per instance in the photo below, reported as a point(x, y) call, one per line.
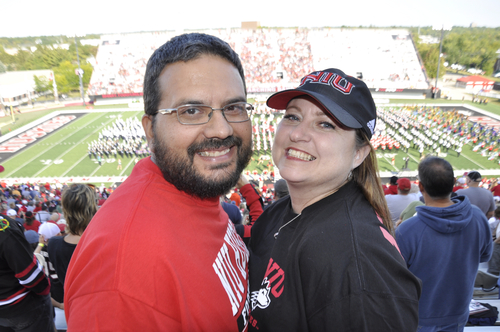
point(164, 111)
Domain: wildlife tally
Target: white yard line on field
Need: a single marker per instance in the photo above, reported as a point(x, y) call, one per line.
point(42, 152)
point(480, 166)
point(125, 168)
point(74, 146)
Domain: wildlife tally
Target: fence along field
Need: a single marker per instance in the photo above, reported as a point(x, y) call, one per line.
point(64, 153)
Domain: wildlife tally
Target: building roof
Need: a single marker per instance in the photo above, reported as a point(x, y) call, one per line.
point(14, 77)
point(16, 83)
point(474, 78)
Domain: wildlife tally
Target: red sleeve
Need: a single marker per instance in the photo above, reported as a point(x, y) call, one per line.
point(254, 204)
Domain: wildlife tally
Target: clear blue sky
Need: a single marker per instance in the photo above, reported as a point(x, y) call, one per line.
point(56, 17)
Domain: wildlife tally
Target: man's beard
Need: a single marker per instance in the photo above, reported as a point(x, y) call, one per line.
point(181, 172)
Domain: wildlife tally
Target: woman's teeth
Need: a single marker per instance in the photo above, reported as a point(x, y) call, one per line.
point(300, 155)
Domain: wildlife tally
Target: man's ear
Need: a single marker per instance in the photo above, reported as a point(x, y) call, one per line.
point(421, 187)
point(147, 124)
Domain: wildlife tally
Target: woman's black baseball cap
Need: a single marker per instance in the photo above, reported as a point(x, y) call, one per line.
point(346, 98)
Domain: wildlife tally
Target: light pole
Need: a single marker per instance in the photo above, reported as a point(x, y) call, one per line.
point(442, 28)
point(80, 72)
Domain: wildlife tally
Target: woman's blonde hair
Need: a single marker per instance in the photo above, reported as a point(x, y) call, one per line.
point(367, 177)
point(79, 206)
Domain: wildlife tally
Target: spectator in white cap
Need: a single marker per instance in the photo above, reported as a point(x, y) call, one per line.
point(48, 230)
point(459, 184)
point(11, 213)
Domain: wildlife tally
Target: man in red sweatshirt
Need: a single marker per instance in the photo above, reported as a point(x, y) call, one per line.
point(161, 254)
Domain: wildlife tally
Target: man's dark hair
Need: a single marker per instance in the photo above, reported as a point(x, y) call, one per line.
point(184, 48)
point(280, 189)
point(436, 176)
point(497, 213)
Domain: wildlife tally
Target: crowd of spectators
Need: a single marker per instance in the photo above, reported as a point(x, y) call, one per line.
point(121, 63)
point(37, 203)
point(46, 213)
point(386, 58)
point(273, 57)
point(30, 202)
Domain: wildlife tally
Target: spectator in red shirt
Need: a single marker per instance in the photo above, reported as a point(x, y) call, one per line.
point(393, 186)
point(3, 208)
point(236, 198)
point(31, 223)
point(496, 190)
point(459, 184)
point(38, 207)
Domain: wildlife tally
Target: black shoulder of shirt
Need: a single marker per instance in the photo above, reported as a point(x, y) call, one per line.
point(344, 193)
point(12, 223)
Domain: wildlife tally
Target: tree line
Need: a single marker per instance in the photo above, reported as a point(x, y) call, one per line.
point(62, 62)
point(469, 47)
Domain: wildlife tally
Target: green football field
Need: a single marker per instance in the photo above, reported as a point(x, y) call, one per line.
point(62, 155)
point(64, 152)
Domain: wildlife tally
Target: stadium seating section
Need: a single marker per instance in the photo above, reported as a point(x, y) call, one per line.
point(274, 59)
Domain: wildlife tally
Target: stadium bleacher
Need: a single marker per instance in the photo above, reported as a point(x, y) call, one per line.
point(273, 59)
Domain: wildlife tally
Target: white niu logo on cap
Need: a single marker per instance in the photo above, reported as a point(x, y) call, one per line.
point(334, 80)
point(371, 125)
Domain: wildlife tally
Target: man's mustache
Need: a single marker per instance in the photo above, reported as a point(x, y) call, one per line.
point(214, 143)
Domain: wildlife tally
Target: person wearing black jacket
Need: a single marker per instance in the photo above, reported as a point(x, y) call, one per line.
point(24, 293)
point(324, 258)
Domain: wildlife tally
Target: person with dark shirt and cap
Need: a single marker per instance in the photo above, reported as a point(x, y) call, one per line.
point(480, 197)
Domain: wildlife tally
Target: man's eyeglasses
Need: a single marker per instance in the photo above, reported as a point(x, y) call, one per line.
point(201, 114)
